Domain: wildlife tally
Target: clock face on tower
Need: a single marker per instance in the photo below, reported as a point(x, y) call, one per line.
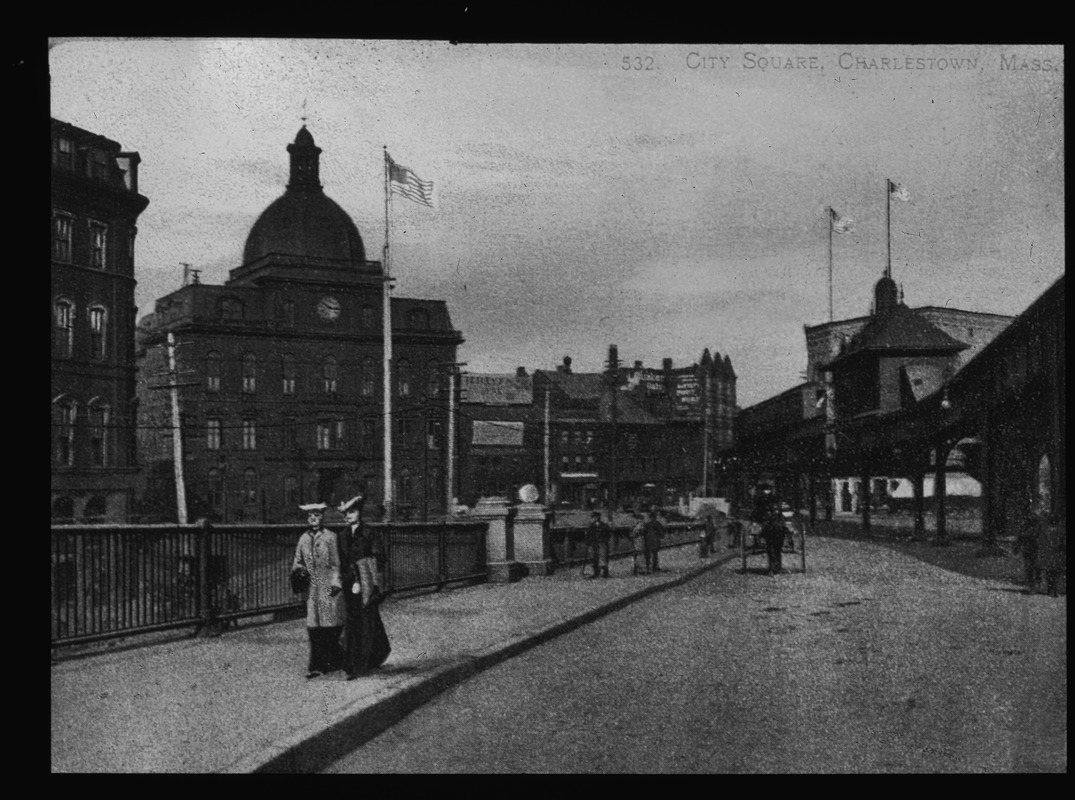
point(329, 308)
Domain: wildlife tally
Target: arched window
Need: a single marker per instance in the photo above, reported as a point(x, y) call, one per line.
point(64, 320)
point(96, 509)
point(212, 371)
point(98, 325)
point(250, 373)
point(63, 415)
point(250, 486)
point(369, 377)
point(288, 370)
point(99, 419)
point(330, 373)
point(403, 378)
point(216, 488)
point(63, 509)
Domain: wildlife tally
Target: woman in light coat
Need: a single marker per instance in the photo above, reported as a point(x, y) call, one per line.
point(318, 553)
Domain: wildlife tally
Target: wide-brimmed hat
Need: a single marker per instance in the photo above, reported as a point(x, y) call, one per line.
point(314, 508)
point(354, 504)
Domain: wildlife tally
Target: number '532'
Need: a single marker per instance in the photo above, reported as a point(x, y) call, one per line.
point(638, 63)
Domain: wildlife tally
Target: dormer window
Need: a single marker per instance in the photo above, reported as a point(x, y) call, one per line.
point(99, 165)
point(63, 154)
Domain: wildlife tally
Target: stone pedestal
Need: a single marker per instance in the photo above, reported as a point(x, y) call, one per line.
point(533, 546)
point(499, 547)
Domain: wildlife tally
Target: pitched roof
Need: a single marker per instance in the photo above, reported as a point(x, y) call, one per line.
point(903, 330)
point(579, 385)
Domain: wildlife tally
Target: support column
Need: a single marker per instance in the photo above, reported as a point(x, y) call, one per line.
point(864, 498)
point(940, 493)
point(499, 546)
point(919, 503)
point(988, 504)
point(813, 497)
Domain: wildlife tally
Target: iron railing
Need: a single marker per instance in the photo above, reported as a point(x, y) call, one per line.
point(110, 581)
point(569, 544)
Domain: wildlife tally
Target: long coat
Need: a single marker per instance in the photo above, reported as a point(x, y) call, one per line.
point(366, 644)
point(319, 553)
point(652, 533)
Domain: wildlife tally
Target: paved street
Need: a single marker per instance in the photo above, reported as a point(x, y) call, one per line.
point(873, 661)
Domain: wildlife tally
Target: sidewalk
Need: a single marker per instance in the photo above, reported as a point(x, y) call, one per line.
point(240, 702)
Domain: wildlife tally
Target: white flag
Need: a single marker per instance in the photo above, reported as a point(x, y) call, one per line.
point(898, 191)
point(841, 224)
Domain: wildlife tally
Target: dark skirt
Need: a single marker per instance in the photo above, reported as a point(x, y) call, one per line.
point(366, 644)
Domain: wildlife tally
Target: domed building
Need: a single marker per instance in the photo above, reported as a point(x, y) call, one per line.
point(281, 387)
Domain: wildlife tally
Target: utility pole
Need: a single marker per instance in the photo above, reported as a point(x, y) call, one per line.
point(613, 380)
point(706, 431)
point(548, 441)
point(177, 434)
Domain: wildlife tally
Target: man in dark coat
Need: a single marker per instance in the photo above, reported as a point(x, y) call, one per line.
point(652, 533)
point(767, 513)
point(365, 645)
point(598, 537)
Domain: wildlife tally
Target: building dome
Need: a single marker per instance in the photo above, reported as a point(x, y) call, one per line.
point(304, 222)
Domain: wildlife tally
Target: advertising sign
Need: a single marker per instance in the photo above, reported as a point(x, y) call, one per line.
point(498, 390)
point(497, 433)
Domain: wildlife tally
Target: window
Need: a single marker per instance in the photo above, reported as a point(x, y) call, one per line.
point(64, 316)
point(433, 434)
point(98, 318)
point(406, 428)
point(403, 378)
point(61, 237)
point(99, 165)
point(330, 434)
point(250, 486)
point(369, 434)
point(368, 377)
point(289, 312)
point(98, 239)
point(589, 437)
point(367, 316)
point(216, 488)
point(433, 385)
point(250, 368)
point(291, 490)
point(212, 371)
point(250, 434)
point(231, 309)
point(214, 434)
point(330, 371)
point(63, 154)
point(290, 433)
point(99, 435)
point(64, 416)
point(288, 370)
point(564, 434)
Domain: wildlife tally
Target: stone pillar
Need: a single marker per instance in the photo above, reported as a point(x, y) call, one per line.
point(499, 547)
point(940, 492)
point(533, 546)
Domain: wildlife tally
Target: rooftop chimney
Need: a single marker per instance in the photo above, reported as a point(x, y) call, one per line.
point(638, 365)
point(520, 372)
point(667, 363)
point(566, 366)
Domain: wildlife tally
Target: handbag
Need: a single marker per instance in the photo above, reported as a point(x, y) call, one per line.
point(300, 579)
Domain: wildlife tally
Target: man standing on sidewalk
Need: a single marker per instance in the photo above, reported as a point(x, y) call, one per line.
point(652, 533)
point(598, 535)
point(318, 554)
point(767, 513)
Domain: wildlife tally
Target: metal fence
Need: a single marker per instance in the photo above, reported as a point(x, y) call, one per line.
point(110, 581)
point(569, 544)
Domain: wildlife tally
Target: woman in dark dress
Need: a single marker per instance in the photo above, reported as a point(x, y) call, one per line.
point(365, 645)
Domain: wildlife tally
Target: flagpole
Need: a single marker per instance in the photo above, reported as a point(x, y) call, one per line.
point(831, 215)
point(888, 225)
point(387, 334)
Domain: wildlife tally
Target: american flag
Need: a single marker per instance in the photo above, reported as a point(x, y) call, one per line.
point(406, 183)
point(841, 224)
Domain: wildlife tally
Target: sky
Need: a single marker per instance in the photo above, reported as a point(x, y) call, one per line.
point(663, 198)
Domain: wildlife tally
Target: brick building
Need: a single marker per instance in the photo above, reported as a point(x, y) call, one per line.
point(95, 208)
point(280, 373)
point(660, 420)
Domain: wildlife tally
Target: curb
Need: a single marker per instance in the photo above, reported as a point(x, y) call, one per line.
point(318, 745)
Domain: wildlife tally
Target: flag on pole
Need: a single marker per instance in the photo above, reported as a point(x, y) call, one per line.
point(841, 224)
point(406, 183)
point(898, 191)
